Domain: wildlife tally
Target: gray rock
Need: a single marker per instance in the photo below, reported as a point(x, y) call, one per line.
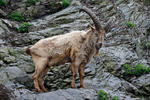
point(10, 59)
point(10, 24)
point(142, 82)
point(2, 13)
point(10, 73)
point(2, 42)
point(26, 81)
point(113, 86)
point(3, 27)
point(29, 68)
point(104, 72)
point(32, 10)
point(69, 94)
point(2, 63)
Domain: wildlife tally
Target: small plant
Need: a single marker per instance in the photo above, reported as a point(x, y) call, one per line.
point(31, 2)
point(148, 45)
point(102, 95)
point(140, 69)
point(130, 24)
point(3, 3)
point(17, 16)
point(24, 27)
point(137, 70)
point(146, 2)
point(115, 98)
point(128, 69)
point(65, 3)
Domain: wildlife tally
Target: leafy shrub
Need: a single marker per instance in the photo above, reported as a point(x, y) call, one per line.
point(17, 16)
point(144, 44)
point(137, 70)
point(148, 45)
point(146, 2)
point(3, 3)
point(115, 98)
point(140, 69)
point(65, 3)
point(31, 2)
point(130, 24)
point(102, 95)
point(24, 27)
point(128, 69)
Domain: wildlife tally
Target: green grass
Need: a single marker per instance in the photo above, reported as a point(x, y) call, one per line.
point(24, 27)
point(146, 2)
point(102, 95)
point(31, 2)
point(128, 69)
point(130, 24)
point(3, 3)
point(145, 44)
point(17, 16)
point(148, 45)
point(140, 69)
point(137, 70)
point(65, 3)
point(115, 98)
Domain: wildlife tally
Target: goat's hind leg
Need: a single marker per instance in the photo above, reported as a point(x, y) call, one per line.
point(41, 81)
point(74, 69)
point(40, 66)
point(36, 82)
point(81, 72)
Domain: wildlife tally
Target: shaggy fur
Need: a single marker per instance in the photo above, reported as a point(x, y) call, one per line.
point(77, 47)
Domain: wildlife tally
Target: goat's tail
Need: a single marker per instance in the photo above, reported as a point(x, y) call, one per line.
point(28, 51)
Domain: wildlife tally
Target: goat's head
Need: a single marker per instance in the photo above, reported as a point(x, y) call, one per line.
point(98, 29)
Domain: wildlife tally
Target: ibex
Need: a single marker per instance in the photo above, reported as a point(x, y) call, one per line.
point(77, 47)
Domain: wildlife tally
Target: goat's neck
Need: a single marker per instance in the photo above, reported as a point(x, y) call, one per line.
point(92, 37)
point(90, 41)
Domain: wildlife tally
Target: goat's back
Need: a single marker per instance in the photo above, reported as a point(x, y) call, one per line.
point(55, 45)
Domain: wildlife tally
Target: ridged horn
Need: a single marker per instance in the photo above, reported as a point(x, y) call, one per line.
point(92, 16)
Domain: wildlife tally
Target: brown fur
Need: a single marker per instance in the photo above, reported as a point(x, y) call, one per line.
point(77, 47)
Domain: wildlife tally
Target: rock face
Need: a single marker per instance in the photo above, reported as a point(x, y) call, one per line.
point(5, 93)
point(68, 94)
point(126, 43)
point(31, 8)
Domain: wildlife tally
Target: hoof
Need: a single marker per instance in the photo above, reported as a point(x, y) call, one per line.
point(39, 90)
point(73, 85)
point(45, 90)
point(83, 87)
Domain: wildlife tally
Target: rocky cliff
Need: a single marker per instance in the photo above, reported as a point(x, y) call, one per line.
point(121, 69)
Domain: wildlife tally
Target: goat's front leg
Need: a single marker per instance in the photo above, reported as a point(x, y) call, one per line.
point(81, 72)
point(74, 70)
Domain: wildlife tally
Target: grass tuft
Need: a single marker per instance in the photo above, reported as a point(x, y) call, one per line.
point(130, 24)
point(17, 16)
point(137, 70)
point(65, 3)
point(3, 3)
point(24, 27)
point(102, 95)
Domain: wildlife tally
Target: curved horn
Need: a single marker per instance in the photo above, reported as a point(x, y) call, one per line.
point(93, 17)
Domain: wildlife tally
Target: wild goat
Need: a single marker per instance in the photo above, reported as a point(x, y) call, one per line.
point(77, 47)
